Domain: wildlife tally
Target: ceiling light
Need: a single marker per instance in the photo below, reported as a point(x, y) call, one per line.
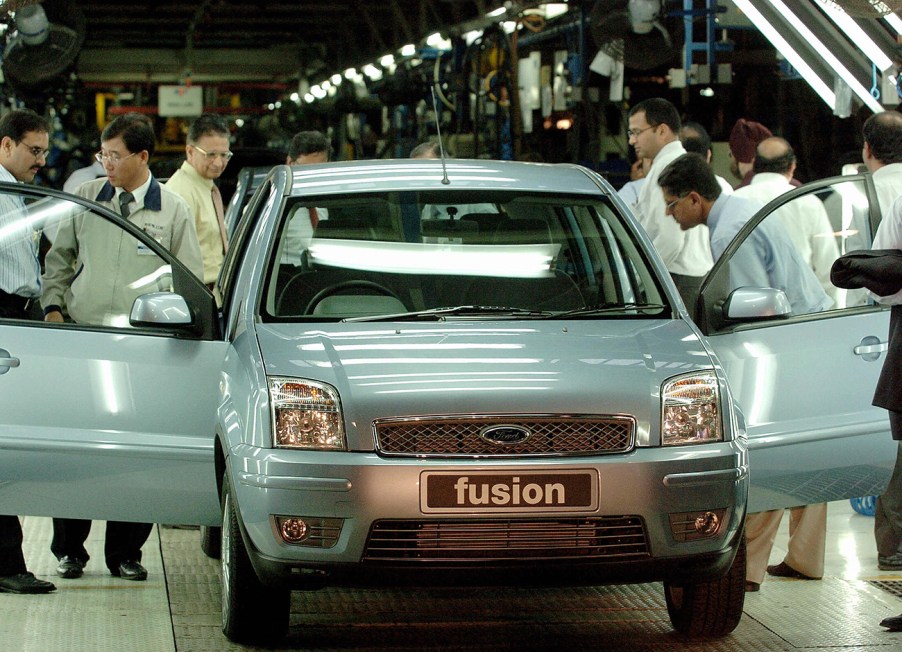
point(500, 11)
point(350, 73)
point(554, 9)
point(857, 35)
point(471, 36)
point(387, 60)
point(295, 97)
point(408, 50)
point(335, 79)
point(372, 72)
point(309, 98)
point(895, 22)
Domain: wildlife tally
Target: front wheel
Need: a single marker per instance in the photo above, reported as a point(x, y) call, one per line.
point(210, 539)
point(709, 609)
point(251, 612)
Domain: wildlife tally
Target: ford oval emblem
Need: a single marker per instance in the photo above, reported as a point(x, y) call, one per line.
point(505, 435)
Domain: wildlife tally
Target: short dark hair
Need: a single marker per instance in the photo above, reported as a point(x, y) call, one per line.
point(135, 130)
point(428, 149)
point(19, 122)
point(780, 164)
point(688, 173)
point(883, 132)
point(208, 124)
point(309, 142)
point(659, 111)
point(700, 142)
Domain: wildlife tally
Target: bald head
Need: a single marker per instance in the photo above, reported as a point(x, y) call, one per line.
point(774, 154)
point(882, 139)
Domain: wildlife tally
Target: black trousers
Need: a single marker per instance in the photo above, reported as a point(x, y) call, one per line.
point(888, 514)
point(123, 541)
point(12, 561)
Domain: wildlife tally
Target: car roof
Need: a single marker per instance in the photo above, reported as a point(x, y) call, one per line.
point(427, 174)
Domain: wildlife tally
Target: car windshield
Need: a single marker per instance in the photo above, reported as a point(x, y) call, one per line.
point(480, 255)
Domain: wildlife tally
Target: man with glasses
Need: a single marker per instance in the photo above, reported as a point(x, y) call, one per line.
point(207, 155)
point(654, 127)
point(24, 137)
point(86, 270)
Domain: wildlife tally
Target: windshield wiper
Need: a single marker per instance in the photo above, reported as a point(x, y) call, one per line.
point(438, 314)
point(606, 308)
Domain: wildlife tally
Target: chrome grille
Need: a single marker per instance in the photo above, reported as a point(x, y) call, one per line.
point(610, 537)
point(455, 436)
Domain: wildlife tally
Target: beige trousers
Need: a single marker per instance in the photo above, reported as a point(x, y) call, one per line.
point(807, 540)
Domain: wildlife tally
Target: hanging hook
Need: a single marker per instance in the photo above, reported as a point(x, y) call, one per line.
point(875, 92)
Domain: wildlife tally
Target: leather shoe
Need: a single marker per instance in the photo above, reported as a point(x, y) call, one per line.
point(893, 562)
point(25, 583)
point(130, 570)
point(893, 623)
point(785, 570)
point(752, 587)
point(70, 567)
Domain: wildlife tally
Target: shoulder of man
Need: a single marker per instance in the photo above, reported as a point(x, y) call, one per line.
point(171, 200)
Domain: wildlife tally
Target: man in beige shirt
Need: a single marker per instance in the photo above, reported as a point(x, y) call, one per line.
point(207, 155)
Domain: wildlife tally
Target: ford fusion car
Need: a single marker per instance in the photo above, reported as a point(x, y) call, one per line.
point(466, 372)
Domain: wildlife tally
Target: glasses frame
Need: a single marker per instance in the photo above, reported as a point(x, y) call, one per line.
point(225, 156)
point(669, 206)
point(102, 158)
point(37, 152)
point(635, 133)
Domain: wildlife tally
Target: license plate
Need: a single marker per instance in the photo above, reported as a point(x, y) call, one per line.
point(511, 491)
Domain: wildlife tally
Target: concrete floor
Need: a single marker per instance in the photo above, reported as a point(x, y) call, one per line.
point(177, 609)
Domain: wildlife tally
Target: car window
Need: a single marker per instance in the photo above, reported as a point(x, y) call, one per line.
point(376, 254)
point(93, 265)
point(791, 247)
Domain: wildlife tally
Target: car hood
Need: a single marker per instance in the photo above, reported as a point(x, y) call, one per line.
point(504, 367)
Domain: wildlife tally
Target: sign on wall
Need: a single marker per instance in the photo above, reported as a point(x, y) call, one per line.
point(180, 101)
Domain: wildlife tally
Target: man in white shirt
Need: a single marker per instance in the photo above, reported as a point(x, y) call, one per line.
point(695, 138)
point(654, 127)
point(805, 219)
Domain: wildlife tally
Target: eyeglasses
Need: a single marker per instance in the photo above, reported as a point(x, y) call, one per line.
point(634, 133)
point(37, 152)
point(112, 159)
point(670, 205)
point(225, 156)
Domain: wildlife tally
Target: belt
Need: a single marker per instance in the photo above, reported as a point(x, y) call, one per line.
point(14, 301)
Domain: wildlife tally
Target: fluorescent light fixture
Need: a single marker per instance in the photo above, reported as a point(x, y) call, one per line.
point(387, 60)
point(295, 97)
point(471, 36)
point(335, 79)
point(318, 92)
point(434, 40)
point(830, 59)
point(509, 26)
point(408, 50)
point(856, 35)
point(500, 11)
point(309, 98)
point(514, 261)
point(554, 9)
point(326, 85)
point(788, 52)
point(372, 72)
point(350, 73)
point(895, 22)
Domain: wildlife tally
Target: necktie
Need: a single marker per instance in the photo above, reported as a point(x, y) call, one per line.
point(217, 205)
point(314, 217)
point(125, 198)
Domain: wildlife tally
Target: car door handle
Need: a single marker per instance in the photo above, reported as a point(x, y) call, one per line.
point(9, 362)
point(870, 347)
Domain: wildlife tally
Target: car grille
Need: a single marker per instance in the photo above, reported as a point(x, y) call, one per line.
point(461, 436)
point(612, 537)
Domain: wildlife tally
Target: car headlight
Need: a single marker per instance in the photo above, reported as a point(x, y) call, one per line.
point(305, 414)
point(691, 410)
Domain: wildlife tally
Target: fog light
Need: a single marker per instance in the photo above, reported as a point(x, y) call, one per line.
point(293, 530)
point(706, 524)
point(692, 526)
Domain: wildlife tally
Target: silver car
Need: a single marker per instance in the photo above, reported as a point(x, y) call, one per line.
point(477, 372)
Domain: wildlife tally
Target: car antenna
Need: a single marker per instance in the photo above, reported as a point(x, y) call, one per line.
point(441, 148)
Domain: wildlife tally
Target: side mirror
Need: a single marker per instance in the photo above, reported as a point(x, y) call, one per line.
point(751, 304)
point(161, 310)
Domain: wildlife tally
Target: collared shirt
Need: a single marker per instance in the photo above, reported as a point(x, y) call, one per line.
point(91, 268)
point(767, 258)
point(684, 252)
point(197, 191)
point(888, 183)
point(20, 271)
point(805, 220)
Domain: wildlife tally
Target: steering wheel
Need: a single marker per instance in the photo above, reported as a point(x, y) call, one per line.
point(337, 288)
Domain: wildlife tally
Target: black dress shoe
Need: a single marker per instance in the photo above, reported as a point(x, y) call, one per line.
point(785, 570)
point(893, 623)
point(130, 570)
point(752, 587)
point(25, 583)
point(70, 567)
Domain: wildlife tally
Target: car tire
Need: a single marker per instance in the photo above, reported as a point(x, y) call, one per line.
point(709, 609)
point(210, 541)
point(251, 612)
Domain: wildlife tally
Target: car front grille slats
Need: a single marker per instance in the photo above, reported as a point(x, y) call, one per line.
point(462, 436)
point(606, 537)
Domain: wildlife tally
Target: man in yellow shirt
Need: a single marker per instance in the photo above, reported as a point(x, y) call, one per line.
point(207, 155)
